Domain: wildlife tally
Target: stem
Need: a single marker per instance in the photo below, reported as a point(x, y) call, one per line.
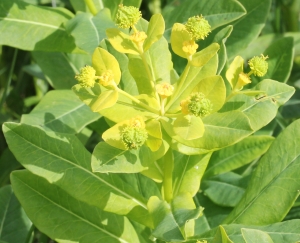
point(30, 234)
point(291, 15)
point(168, 173)
point(135, 100)
point(162, 105)
point(179, 87)
point(12, 67)
point(91, 6)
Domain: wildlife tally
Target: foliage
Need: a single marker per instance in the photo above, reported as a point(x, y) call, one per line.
point(179, 128)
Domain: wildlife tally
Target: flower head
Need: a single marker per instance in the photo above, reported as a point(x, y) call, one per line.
point(138, 37)
point(197, 105)
point(242, 81)
point(259, 65)
point(198, 27)
point(164, 89)
point(134, 135)
point(189, 47)
point(127, 16)
point(86, 77)
point(107, 78)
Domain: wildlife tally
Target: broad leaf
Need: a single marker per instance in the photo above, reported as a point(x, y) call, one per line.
point(61, 111)
point(274, 185)
point(243, 33)
point(66, 163)
point(155, 30)
point(30, 27)
point(14, 224)
point(89, 30)
point(200, 58)
point(221, 236)
point(64, 218)
point(253, 236)
point(237, 155)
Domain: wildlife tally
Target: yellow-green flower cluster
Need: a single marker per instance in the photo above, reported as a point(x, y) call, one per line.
point(197, 105)
point(164, 89)
point(258, 65)
point(198, 27)
point(107, 78)
point(134, 135)
point(86, 77)
point(127, 16)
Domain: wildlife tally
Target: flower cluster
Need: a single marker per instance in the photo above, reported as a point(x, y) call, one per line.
point(127, 16)
point(197, 105)
point(87, 76)
point(198, 27)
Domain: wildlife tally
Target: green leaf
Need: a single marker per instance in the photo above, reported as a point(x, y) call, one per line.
point(188, 172)
point(61, 111)
point(171, 222)
point(66, 163)
point(179, 35)
point(223, 193)
point(30, 27)
point(287, 231)
point(215, 12)
point(60, 68)
point(114, 5)
point(155, 30)
point(107, 159)
point(62, 217)
point(236, 67)
point(14, 223)
point(243, 33)
point(274, 185)
point(221, 236)
point(8, 163)
point(280, 61)
point(233, 126)
point(185, 127)
point(235, 156)
point(200, 58)
point(89, 30)
point(253, 236)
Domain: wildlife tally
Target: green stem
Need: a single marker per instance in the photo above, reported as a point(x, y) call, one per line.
point(91, 6)
point(30, 234)
point(291, 15)
point(168, 173)
point(179, 87)
point(138, 102)
point(12, 67)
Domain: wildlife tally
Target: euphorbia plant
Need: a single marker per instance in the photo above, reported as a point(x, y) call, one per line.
point(142, 182)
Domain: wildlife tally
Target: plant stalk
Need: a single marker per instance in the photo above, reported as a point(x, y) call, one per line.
point(91, 6)
point(168, 176)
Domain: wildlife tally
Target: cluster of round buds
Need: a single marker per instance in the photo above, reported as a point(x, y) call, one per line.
point(107, 78)
point(189, 47)
point(198, 27)
point(127, 16)
point(86, 77)
point(258, 65)
point(134, 135)
point(164, 89)
point(197, 105)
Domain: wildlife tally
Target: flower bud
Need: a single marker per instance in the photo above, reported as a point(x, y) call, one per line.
point(127, 16)
point(198, 27)
point(189, 47)
point(86, 77)
point(164, 89)
point(134, 135)
point(259, 65)
point(107, 78)
point(197, 105)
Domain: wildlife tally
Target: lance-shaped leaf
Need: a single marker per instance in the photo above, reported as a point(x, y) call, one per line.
point(58, 111)
point(15, 224)
point(103, 61)
point(274, 186)
point(171, 222)
point(64, 218)
point(215, 12)
point(155, 30)
point(121, 41)
point(253, 236)
point(89, 30)
point(179, 35)
point(188, 172)
point(200, 58)
point(66, 163)
point(286, 231)
point(237, 155)
point(30, 27)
